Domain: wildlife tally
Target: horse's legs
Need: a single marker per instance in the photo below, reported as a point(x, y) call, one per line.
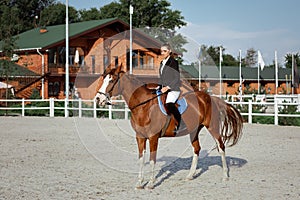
point(221, 149)
point(153, 143)
point(196, 145)
point(141, 148)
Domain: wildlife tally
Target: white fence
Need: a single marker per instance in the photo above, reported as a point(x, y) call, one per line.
point(80, 107)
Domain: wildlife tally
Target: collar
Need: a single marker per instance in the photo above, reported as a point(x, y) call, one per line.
point(164, 61)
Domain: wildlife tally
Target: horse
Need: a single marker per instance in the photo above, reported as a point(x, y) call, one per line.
point(221, 119)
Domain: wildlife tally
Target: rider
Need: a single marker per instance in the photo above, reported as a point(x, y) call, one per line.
point(170, 81)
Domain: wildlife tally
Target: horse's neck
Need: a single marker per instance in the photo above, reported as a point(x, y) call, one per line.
point(130, 86)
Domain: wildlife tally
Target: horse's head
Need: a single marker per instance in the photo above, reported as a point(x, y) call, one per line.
point(101, 97)
point(109, 86)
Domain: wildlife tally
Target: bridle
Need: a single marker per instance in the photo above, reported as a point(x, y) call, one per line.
point(108, 100)
point(117, 81)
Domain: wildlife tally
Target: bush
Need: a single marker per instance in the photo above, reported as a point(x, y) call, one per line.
point(289, 121)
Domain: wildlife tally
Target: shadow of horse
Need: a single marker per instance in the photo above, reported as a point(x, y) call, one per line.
point(175, 164)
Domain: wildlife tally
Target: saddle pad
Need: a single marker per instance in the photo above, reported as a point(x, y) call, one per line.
point(181, 102)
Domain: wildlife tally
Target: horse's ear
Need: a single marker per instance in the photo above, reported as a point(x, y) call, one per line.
point(121, 68)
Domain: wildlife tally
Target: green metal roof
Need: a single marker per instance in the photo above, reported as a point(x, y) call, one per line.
point(16, 70)
point(33, 39)
point(232, 73)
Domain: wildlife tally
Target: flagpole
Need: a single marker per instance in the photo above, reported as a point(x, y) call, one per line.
point(220, 69)
point(276, 73)
point(240, 72)
point(258, 86)
point(130, 40)
point(199, 70)
point(67, 56)
point(293, 66)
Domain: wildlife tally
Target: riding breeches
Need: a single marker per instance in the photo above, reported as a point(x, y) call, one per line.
point(172, 96)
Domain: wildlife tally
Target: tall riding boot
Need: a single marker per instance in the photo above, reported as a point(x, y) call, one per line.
point(171, 109)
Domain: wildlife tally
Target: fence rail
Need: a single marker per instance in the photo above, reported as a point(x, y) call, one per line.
point(80, 108)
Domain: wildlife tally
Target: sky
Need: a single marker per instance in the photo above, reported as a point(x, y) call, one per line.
point(265, 25)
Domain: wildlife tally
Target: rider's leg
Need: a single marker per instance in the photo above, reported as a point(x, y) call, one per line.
point(170, 104)
point(171, 109)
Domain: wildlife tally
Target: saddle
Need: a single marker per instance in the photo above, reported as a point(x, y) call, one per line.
point(180, 103)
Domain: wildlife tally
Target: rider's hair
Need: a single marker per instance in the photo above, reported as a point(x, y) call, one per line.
point(168, 46)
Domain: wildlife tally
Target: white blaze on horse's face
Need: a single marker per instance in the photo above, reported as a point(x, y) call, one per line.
point(101, 95)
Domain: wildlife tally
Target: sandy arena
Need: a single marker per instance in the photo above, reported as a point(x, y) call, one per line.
point(72, 158)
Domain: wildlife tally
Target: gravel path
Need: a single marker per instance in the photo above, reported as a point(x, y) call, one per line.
point(71, 158)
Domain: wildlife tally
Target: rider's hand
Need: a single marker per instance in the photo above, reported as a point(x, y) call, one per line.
point(165, 89)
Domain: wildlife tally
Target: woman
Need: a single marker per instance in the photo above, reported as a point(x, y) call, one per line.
point(170, 81)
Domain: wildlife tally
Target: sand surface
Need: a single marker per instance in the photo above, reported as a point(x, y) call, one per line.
point(72, 158)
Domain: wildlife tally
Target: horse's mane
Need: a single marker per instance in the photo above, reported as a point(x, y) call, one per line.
point(148, 86)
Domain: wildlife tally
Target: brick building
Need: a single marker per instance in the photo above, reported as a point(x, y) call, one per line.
point(231, 79)
point(94, 45)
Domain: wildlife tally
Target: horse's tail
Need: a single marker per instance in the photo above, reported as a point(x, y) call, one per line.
point(231, 122)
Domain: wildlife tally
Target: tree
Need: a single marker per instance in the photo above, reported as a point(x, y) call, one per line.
point(288, 60)
point(251, 57)
point(25, 12)
point(87, 15)
point(56, 14)
point(147, 13)
point(153, 16)
point(8, 27)
point(229, 60)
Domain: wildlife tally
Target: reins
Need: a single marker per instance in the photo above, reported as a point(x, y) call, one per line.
point(144, 102)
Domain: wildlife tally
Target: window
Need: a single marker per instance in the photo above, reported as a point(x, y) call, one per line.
point(93, 63)
point(140, 60)
point(105, 61)
point(53, 88)
point(57, 55)
point(116, 60)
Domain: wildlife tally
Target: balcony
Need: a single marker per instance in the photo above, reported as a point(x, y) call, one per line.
point(73, 69)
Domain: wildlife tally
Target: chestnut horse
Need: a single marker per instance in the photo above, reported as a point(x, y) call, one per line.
point(221, 119)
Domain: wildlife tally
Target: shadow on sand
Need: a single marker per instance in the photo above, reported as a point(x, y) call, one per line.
point(204, 163)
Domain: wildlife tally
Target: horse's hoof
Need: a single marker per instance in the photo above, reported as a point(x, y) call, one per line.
point(189, 178)
point(150, 187)
point(225, 179)
point(139, 187)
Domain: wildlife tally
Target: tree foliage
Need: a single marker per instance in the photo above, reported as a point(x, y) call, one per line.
point(24, 12)
point(56, 14)
point(152, 16)
point(288, 60)
point(251, 57)
point(147, 13)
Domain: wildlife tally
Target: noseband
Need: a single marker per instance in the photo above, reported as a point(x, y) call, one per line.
point(108, 100)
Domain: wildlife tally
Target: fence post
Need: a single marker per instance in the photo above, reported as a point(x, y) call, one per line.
point(109, 111)
point(66, 107)
point(95, 108)
point(298, 101)
point(79, 108)
point(126, 111)
point(250, 112)
point(23, 107)
point(51, 107)
point(275, 111)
